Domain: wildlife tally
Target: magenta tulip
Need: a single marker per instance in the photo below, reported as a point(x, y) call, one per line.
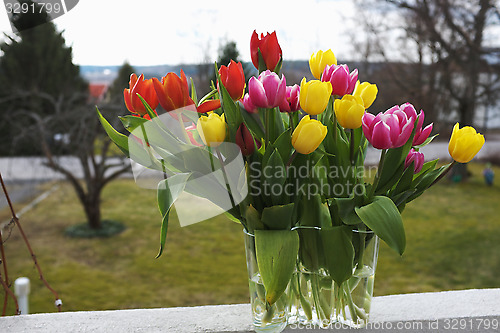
point(417, 158)
point(291, 102)
point(390, 129)
point(268, 90)
point(342, 81)
point(420, 134)
point(248, 105)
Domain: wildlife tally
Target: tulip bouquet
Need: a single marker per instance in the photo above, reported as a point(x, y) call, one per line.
point(287, 162)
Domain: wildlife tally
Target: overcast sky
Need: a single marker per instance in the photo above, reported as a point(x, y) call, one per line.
point(152, 32)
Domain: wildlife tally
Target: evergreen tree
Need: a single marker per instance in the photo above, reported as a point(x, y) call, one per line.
point(115, 91)
point(36, 73)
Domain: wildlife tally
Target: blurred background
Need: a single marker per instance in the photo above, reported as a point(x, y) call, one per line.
point(69, 184)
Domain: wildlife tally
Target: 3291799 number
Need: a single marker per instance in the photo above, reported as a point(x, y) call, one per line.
point(38, 7)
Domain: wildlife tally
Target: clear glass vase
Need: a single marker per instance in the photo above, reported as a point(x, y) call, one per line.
point(266, 318)
point(316, 300)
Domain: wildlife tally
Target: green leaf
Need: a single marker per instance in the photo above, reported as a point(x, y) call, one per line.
point(194, 96)
point(278, 217)
point(253, 219)
point(339, 252)
point(392, 169)
point(313, 212)
point(132, 122)
point(149, 110)
point(427, 141)
point(276, 252)
point(273, 177)
point(119, 139)
point(346, 210)
point(426, 181)
point(383, 217)
point(168, 191)
point(405, 182)
point(253, 124)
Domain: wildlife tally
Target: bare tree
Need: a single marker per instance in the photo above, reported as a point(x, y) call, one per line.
point(443, 42)
point(83, 139)
point(447, 66)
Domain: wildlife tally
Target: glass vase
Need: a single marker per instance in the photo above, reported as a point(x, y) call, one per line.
point(319, 301)
point(266, 318)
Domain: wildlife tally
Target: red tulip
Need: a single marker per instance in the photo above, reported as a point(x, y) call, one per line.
point(143, 88)
point(269, 48)
point(233, 78)
point(245, 140)
point(173, 91)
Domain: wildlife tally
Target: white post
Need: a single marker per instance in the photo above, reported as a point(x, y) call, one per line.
point(22, 290)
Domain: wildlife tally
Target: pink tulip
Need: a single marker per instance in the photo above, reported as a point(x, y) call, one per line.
point(248, 105)
point(417, 158)
point(291, 102)
point(342, 81)
point(420, 134)
point(390, 129)
point(268, 90)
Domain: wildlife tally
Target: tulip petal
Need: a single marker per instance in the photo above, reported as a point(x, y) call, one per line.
point(257, 93)
point(381, 138)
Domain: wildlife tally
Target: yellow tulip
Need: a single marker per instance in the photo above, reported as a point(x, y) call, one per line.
point(349, 110)
point(319, 60)
point(465, 143)
point(308, 135)
point(212, 129)
point(314, 96)
point(367, 91)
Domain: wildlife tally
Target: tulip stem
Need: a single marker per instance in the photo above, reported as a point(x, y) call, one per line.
point(183, 128)
point(291, 159)
point(267, 120)
point(228, 188)
point(351, 146)
point(292, 125)
point(379, 171)
point(450, 166)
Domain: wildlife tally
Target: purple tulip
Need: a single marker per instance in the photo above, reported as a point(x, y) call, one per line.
point(390, 129)
point(291, 102)
point(342, 81)
point(417, 158)
point(268, 90)
point(248, 105)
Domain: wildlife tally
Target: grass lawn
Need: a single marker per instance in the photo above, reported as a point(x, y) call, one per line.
point(453, 242)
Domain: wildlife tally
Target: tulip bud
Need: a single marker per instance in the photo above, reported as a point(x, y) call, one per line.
point(244, 140)
point(308, 135)
point(314, 96)
point(319, 60)
point(367, 92)
point(465, 143)
point(212, 129)
point(416, 158)
point(137, 85)
point(291, 102)
point(173, 91)
point(349, 110)
point(269, 48)
point(248, 105)
point(233, 78)
point(342, 81)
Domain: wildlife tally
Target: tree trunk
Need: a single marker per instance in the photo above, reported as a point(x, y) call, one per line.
point(92, 209)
